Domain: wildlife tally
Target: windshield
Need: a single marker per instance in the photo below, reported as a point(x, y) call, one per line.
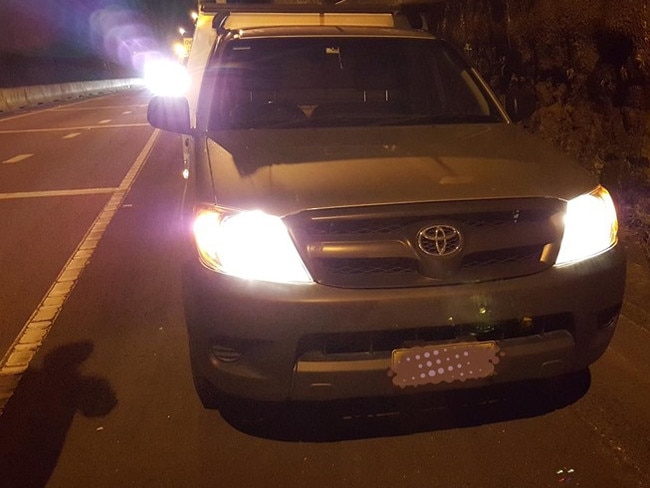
point(342, 82)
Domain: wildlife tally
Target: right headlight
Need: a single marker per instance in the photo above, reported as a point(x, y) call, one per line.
point(590, 227)
point(252, 245)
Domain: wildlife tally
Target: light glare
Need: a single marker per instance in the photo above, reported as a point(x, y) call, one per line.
point(164, 77)
point(250, 245)
point(590, 228)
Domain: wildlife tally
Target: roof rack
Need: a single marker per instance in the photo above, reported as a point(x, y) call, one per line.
point(213, 7)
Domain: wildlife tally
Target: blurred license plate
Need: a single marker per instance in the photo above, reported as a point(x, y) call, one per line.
point(433, 364)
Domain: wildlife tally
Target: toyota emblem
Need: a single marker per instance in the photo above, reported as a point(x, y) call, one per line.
point(440, 240)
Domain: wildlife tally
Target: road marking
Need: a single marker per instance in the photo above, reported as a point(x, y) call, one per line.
point(72, 135)
point(66, 107)
point(95, 108)
point(36, 111)
point(82, 128)
point(17, 159)
point(56, 193)
point(127, 112)
point(105, 121)
point(16, 361)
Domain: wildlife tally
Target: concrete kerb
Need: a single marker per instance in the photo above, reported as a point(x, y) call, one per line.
point(40, 94)
point(12, 99)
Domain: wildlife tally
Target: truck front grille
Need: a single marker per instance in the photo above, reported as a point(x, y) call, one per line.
point(380, 246)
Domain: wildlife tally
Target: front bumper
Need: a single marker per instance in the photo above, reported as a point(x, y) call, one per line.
point(277, 342)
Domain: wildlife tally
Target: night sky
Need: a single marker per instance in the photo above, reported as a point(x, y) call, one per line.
point(101, 28)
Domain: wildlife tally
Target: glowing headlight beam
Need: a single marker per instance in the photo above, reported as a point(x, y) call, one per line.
point(164, 77)
point(590, 227)
point(250, 245)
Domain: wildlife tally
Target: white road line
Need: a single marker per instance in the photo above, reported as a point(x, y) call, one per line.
point(105, 121)
point(17, 159)
point(20, 116)
point(72, 135)
point(87, 127)
point(56, 193)
point(16, 361)
point(101, 107)
point(36, 111)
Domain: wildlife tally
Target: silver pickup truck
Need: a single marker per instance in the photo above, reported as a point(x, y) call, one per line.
point(363, 218)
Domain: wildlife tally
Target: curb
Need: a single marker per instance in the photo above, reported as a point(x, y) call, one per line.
point(12, 99)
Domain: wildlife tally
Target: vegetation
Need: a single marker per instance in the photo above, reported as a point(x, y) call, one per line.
point(586, 67)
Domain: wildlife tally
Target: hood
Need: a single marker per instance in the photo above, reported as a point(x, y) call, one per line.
point(284, 171)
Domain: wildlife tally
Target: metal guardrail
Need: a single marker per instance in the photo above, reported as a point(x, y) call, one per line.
point(13, 99)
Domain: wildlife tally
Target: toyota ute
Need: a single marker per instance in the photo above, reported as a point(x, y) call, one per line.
point(363, 219)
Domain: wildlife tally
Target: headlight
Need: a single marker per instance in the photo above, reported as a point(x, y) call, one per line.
point(251, 245)
point(590, 227)
point(166, 78)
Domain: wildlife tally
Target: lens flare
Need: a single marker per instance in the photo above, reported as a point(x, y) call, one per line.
point(164, 77)
point(124, 36)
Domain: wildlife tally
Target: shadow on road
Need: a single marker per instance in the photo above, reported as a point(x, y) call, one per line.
point(371, 418)
point(34, 424)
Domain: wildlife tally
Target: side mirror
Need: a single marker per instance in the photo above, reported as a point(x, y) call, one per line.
point(170, 113)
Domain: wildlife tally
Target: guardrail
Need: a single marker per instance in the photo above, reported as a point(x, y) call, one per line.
point(12, 99)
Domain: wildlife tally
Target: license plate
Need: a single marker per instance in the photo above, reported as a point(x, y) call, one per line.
point(433, 364)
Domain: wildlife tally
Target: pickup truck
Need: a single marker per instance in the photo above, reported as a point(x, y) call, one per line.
point(364, 219)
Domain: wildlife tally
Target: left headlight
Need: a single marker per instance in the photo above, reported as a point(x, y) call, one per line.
point(165, 77)
point(251, 245)
point(590, 227)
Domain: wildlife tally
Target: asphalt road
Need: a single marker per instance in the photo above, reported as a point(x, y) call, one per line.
point(89, 266)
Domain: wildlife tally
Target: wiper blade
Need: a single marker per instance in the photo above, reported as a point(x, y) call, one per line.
point(416, 119)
